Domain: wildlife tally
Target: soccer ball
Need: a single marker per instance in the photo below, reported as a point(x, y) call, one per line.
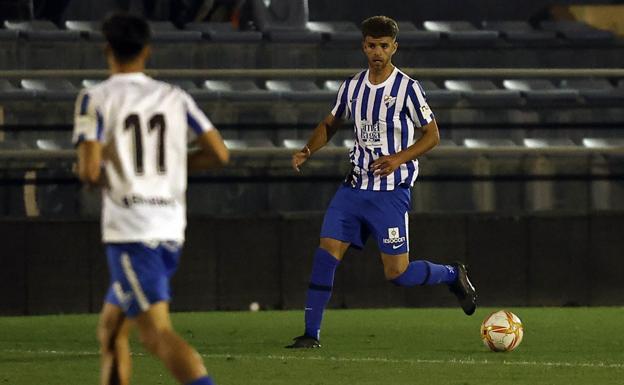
point(502, 331)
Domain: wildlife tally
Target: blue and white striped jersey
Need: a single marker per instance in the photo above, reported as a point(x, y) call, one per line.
point(385, 116)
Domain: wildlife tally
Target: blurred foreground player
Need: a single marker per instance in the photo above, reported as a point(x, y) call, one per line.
point(387, 107)
point(132, 134)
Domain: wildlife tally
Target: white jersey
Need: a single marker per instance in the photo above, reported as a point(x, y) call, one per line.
point(144, 126)
point(384, 118)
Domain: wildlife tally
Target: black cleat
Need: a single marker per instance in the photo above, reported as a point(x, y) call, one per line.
point(463, 289)
point(304, 342)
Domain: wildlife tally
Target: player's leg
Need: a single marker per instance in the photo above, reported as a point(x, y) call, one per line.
point(112, 332)
point(401, 272)
point(389, 221)
point(341, 228)
point(158, 337)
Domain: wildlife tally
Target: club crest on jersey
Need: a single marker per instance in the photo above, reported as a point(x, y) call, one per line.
point(389, 100)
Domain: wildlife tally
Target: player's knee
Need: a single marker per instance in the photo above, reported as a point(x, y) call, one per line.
point(333, 247)
point(393, 271)
point(106, 336)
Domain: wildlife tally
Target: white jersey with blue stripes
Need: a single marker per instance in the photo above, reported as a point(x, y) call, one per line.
point(385, 116)
point(144, 127)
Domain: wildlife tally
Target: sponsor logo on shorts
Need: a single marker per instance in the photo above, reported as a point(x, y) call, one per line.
point(394, 236)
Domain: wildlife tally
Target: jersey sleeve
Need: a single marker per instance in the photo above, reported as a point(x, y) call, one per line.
point(341, 106)
point(417, 106)
point(88, 120)
point(196, 120)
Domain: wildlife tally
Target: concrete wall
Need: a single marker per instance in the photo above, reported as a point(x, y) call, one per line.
point(49, 267)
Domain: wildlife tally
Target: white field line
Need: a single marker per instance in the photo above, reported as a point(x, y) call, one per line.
point(416, 361)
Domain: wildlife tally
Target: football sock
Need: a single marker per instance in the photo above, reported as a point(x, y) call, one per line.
point(202, 381)
point(319, 291)
point(426, 273)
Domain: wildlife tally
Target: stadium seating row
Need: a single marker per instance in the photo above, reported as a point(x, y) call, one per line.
point(431, 33)
point(65, 143)
point(447, 93)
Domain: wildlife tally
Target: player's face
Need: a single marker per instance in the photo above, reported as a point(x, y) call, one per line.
point(379, 51)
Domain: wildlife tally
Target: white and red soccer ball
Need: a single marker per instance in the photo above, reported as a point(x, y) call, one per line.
point(502, 331)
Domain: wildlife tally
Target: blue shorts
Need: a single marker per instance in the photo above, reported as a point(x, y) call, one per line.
point(354, 214)
point(140, 274)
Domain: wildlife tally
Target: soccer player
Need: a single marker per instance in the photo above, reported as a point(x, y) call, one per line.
point(387, 107)
point(132, 134)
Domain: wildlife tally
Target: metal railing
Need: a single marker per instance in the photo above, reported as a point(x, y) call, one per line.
point(326, 73)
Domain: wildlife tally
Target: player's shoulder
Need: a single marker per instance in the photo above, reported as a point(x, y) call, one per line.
point(410, 80)
point(170, 89)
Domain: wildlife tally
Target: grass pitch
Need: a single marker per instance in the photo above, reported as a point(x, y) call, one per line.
point(390, 346)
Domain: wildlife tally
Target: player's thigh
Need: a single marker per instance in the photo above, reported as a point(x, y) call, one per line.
point(155, 318)
point(334, 247)
point(342, 224)
point(152, 323)
point(394, 264)
point(388, 220)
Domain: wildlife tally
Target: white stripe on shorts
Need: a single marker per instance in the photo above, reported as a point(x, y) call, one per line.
point(134, 282)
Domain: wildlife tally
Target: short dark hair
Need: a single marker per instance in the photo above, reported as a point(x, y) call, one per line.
point(126, 34)
point(380, 26)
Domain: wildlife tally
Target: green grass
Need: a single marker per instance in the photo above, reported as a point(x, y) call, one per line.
point(393, 346)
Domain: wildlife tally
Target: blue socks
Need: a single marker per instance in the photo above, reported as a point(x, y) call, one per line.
point(426, 273)
point(202, 381)
point(319, 291)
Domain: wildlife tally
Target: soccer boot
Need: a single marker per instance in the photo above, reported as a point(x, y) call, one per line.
point(304, 342)
point(463, 289)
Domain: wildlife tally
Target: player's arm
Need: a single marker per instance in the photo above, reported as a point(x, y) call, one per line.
point(89, 161)
point(321, 135)
point(212, 152)
point(88, 137)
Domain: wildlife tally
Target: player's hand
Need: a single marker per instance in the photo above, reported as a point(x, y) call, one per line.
point(385, 165)
point(300, 157)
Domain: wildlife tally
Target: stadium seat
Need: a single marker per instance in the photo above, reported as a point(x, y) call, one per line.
point(599, 143)
point(237, 144)
point(349, 143)
point(462, 31)
point(90, 30)
point(41, 30)
point(240, 90)
point(192, 89)
point(437, 97)
point(485, 143)
point(9, 92)
point(86, 83)
point(224, 32)
point(547, 142)
point(297, 144)
point(542, 92)
point(520, 31)
point(594, 91)
point(165, 31)
point(284, 21)
point(51, 89)
point(8, 34)
point(577, 32)
point(483, 93)
point(332, 85)
point(299, 90)
point(410, 35)
point(447, 143)
point(54, 144)
point(336, 31)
